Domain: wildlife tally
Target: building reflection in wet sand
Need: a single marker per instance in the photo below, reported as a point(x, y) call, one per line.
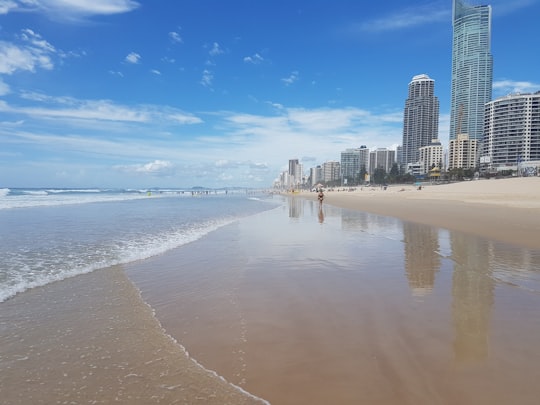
point(477, 266)
point(422, 260)
point(472, 296)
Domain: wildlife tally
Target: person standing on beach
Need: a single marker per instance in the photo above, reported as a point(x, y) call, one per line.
point(320, 196)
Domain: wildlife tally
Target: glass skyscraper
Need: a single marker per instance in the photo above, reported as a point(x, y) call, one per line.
point(420, 118)
point(472, 69)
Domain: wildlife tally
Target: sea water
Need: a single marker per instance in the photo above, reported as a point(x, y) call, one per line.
point(48, 235)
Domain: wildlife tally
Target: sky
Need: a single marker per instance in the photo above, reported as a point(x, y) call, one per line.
point(215, 93)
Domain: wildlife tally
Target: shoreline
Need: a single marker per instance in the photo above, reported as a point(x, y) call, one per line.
point(94, 339)
point(506, 210)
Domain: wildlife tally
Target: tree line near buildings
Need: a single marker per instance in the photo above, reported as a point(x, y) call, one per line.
point(380, 176)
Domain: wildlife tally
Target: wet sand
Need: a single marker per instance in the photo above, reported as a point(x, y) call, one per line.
point(358, 309)
point(92, 340)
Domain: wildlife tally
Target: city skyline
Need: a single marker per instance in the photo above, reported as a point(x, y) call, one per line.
point(130, 93)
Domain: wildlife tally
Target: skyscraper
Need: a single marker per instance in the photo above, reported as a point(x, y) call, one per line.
point(295, 173)
point(381, 158)
point(420, 118)
point(352, 163)
point(512, 131)
point(472, 69)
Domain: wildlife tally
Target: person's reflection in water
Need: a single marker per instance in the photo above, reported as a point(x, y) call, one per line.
point(321, 214)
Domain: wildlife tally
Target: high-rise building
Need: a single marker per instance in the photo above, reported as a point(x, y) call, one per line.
point(512, 132)
point(399, 154)
point(431, 156)
point(315, 174)
point(420, 118)
point(295, 173)
point(462, 152)
point(472, 69)
point(381, 158)
point(352, 162)
point(331, 171)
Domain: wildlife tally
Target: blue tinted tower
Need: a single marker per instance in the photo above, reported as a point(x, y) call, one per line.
point(472, 69)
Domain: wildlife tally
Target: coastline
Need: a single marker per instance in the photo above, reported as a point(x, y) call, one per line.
point(92, 339)
point(506, 210)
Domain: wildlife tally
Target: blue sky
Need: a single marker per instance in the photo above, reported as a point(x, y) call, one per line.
point(215, 93)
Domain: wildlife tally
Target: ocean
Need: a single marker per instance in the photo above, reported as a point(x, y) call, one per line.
point(169, 296)
point(48, 235)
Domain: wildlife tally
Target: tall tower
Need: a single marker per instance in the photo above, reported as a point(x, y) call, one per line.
point(472, 69)
point(420, 118)
point(295, 173)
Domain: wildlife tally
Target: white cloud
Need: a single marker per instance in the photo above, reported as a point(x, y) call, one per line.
point(207, 78)
point(156, 72)
point(93, 7)
point(504, 87)
point(254, 59)
point(293, 77)
point(4, 88)
point(116, 73)
point(69, 9)
point(37, 41)
point(7, 5)
point(215, 50)
point(227, 164)
point(166, 59)
point(133, 57)
point(406, 18)
point(97, 110)
point(34, 52)
point(155, 168)
point(175, 37)
point(258, 166)
point(193, 153)
point(504, 7)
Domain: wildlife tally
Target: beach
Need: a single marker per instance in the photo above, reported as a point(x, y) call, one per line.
point(315, 305)
point(502, 209)
point(366, 299)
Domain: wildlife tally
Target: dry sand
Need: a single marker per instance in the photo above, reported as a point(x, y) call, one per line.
point(507, 210)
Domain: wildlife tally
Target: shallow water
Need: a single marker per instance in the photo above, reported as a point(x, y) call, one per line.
point(49, 235)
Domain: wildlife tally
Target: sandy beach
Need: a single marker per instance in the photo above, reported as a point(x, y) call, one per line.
point(507, 210)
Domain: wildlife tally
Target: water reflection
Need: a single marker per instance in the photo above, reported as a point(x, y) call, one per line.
point(421, 244)
point(296, 207)
point(477, 266)
point(365, 222)
point(517, 267)
point(321, 214)
point(472, 296)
